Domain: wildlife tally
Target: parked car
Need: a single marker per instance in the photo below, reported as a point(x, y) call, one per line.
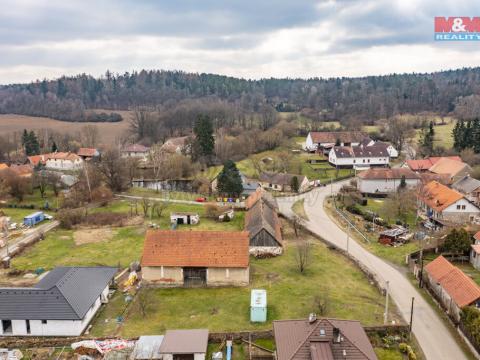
point(201, 199)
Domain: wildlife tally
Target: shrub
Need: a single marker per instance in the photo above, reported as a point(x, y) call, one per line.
point(69, 218)
point(403, 348)
point(212, 211)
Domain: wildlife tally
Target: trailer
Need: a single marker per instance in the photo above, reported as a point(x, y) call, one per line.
point(34, 219)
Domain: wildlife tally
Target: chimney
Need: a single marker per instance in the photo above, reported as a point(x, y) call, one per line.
point(336, 335)
point(312, 318)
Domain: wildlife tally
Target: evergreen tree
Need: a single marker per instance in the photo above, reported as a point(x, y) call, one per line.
point(54, 147)
point(403, 183)
point(295, 184)
point(428, 135)
point(457, 241)
point(204, 144)
point(229, 181)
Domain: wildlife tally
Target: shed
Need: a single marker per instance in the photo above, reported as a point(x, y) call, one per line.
point(391, 236)
point(180, 218)
point(33, 219)
point(185, 344)
point(258, 305)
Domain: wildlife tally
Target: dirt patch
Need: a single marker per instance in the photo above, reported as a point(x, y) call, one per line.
point(89, 236)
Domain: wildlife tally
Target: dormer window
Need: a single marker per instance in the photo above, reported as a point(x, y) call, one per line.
point(322, 332)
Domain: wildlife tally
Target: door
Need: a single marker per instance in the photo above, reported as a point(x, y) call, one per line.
point(188, 220)
point(7, 326)
point(194, 277)
point(183, 356)
point(180, 221)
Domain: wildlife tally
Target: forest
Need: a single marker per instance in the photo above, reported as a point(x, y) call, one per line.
point(362, 99)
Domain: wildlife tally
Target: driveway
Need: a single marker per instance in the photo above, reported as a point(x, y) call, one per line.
point(429, 329)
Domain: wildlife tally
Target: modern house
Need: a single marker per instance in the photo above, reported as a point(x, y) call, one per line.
point(184, 344)
point(469, 187)
point(475, 251)
point(422, 165)
point(444, 205)
point(62, 303)
point(282, 182)
point(453, 168)
point(383, 181)
point(136, 151)
point(264, 229)
point(451, 286)
point(63, 161)
point(319, 339)
point(196, 258)
point(359, 157)
point(88, 153)
point(323, 141)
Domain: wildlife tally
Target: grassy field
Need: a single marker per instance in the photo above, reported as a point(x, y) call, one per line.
point(17, 215)
point(35, 199)
point(174, 195)
point(291, 294)
point(123, 206)
point(109, 132)
point(443, 133)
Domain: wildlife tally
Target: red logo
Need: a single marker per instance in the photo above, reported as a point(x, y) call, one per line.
point(459, 24)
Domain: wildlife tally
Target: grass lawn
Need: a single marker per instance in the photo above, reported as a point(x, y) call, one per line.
point(123, 206)
point(378, 207)
point(299, 209)
point(174, 195)
point(17, 215)
point(388, 354)
point(35, 199)
point(290, 295)
point(59, 249)
point(443, 133)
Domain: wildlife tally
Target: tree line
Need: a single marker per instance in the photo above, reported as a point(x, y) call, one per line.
point(366, 98)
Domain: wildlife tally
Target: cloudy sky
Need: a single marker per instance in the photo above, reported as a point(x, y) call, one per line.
point(247, 38)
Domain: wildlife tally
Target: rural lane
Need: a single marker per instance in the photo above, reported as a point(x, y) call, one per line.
point(431, 332)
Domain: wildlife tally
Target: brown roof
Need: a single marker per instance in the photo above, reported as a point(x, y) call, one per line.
point(22, 170)
point(332, 136)
point(438, 196)
point(62, 156)
point(258, 194)
point(462, 289)
point(425, 164)
point(280, 178)
point(3, 166)
point(294, 340)
point(185, 342)
point(135, 148)
point(262, 216)
point(196, 248)
point(35, 159)
point(385, 173)
point(88, 152)
point(448, 166)
point(427, 177)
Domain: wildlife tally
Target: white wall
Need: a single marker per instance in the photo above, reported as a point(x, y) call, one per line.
point(56, 327)
point(357, 162)
point(372, 186)
point(309, 145)
point(61, 164)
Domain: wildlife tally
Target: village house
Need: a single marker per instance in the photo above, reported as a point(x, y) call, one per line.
point(62, 303)
point(63, 161)
point(177, 145)
point(453, 168)
point(469, 187)
point(184, 344)
point(325, 140)
point(422, 165)
point(136, 151)
point(283, 182)
point(264, 228)
point(445, 206)
point(196, 258)
point(261, 194)
point(451, 286)
point(318, 339)
point(359, 157)
point(475, 251)
point(88, 153)
point(383, 181)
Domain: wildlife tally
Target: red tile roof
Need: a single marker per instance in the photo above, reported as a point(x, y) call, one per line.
point(438, 196)
point(448, 166)
point(88, 152)
point(196, 248)
point(462, 289)
point(425, 164)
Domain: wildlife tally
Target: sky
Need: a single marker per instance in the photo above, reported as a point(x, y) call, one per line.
point(243, 38)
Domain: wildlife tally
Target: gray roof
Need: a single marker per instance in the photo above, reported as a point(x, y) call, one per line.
point(262, 215)
point(65, 293)
point(375, 150)
point(193, 341)
point(466, 185)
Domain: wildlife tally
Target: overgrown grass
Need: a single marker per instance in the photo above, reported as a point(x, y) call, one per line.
point(35, 199)
point(443, 133)
point(173, 195)
point(290, 295)
point(389, 354)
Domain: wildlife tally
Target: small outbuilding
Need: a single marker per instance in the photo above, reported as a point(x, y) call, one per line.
point(258, 305)
point(180, 218)
point(393, 236)
point(184, 344)
point(34, 219)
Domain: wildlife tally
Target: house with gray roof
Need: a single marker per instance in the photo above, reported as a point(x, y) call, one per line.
point(62, 303)
point(360, 157)
point(470, 187)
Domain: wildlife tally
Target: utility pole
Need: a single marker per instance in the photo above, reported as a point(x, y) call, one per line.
point(411, 316)
point(385, 315)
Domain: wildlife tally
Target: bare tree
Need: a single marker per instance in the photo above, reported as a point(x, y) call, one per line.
point(90, 135)
point(159, 207)
point(399, 131)
point(297, 223)
point(157, 156)
point(144, 301)
point(321, 303)
point(303, 255)
point(113, 168)
point(146, 204)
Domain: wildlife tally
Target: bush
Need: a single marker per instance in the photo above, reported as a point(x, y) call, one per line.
point(403, 348)
point(69, 218)
point(354, 210)
point(212, 211)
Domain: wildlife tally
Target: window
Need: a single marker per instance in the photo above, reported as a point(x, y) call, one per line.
point(368, 160)
point(322, 332)
point(7, 326)
point(354, 161)
point(44, 321)
point(463, 207)
point(27, 323)
point(458, 207)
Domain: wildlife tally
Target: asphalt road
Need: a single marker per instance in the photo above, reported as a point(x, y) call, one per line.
point(429, 329)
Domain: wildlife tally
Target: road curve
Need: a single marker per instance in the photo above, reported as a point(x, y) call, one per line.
point(431, 332)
